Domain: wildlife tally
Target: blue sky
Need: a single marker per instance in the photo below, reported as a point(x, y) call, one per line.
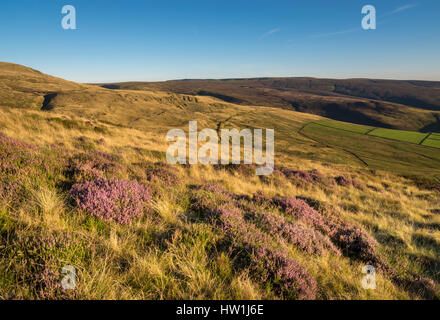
point(160, 40)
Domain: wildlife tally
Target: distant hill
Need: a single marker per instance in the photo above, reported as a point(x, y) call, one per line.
point(152, 107)
point(24, 87)
point(360, 101)
point(407, 105)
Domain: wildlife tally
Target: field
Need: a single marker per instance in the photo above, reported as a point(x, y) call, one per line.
point(83, 182)
point(399, 135)
point(432, 142)
point(378, 153)
point(426, 139)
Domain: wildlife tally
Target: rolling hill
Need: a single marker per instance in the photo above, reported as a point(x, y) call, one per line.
point(406, 105)
point(158, 111)
point(84, 183)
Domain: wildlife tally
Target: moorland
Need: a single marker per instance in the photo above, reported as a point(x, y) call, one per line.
point(84, 182)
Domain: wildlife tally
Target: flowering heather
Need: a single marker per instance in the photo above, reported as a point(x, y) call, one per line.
point(163, 173)
point(425, 287)
point(261, 200)
point(111, 199)
point(91, 166)
point(299, 209)
point(356, 183)
point(233, 225)
point(355, 242)
point(273, 178)
point(287, 277)
point(352, 240)
point(84, 143)
point(301, 177)
point(267, 265)
point(207, 198)
point(38, 261)
point(14, 155)
point(9, 189)
point(212, 187)
point(17, 162)
point(345, 182)
point(304, 238)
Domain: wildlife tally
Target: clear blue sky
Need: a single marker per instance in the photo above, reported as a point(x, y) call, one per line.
point(160, 40)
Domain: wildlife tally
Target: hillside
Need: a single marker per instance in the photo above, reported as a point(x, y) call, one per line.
point(406, 105)
point(84, 182)
point(22, 87)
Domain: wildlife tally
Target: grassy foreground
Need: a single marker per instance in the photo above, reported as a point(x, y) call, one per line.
point(173, 251)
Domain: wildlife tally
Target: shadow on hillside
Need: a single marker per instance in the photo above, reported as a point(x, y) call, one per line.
point(430, 265)
point(111, 86)
point(432, 127)
point(223, 97)
point(47, 105)
point(426, 242)
point(351, 112)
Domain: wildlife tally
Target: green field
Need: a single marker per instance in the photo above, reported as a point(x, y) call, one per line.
point(432, 140)
point(376, 152)
point(399, 135)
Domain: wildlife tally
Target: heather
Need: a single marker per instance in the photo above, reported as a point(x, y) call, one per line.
point(268, 264)
point(17, 162)
point(37, 261)
point(208, 197)
point(14, 154)
point(289, 279)
point(300, 178)
point(303, 237)
point(302, 225)
point(252, 246)
point(307, 176)
point(299, 209)
point(425, 287)
point(345, 182)
point(111, 199)
point(90, 166)
point(357, 243)
point(352, 240)
point(163, 174)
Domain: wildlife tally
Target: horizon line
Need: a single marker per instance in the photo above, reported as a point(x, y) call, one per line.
point(261, 78)
point(229, 78)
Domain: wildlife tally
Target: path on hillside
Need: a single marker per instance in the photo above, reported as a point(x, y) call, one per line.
point(220, 123)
